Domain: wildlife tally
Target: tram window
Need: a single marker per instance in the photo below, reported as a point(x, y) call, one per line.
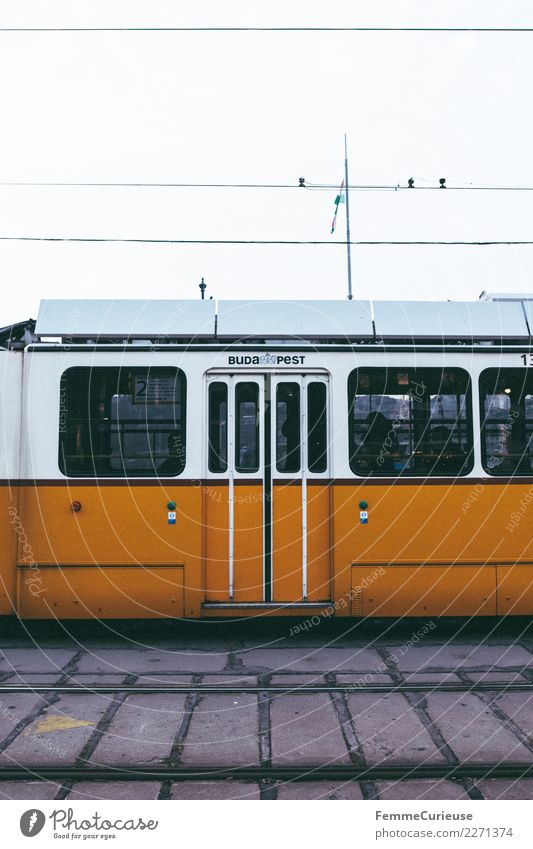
point(288, 427)
point(317, 459)
point(406, 421)
point(506, 397)
point(118, 422)
point(218, 427)
point(247, 427)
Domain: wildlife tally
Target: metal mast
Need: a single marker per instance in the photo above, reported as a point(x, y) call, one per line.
point(348, 245)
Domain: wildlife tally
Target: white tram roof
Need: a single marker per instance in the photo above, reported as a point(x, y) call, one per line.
point(295, 319)
point(450, 320)
point(125, 318)
point(493, 317)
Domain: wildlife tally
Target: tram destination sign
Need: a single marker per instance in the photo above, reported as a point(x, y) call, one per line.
point(266, 360)
point(150, 390)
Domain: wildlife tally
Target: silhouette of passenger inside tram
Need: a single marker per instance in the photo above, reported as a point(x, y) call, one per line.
point(445, 454)
point(512, 449)
point(174, 463)
point(380, 448)
point(289, 453)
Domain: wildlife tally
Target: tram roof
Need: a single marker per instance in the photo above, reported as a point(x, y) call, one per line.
point(125, 318)
point(295, 319)
point(478, 320)
point(493, 317)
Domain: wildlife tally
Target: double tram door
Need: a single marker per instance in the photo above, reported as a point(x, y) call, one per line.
point(267, 509)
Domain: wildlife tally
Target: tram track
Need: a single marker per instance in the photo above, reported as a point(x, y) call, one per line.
point(266, 771)
point(308, 772)
point(268, 689)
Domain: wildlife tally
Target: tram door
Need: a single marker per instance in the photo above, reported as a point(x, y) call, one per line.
point(267, 512)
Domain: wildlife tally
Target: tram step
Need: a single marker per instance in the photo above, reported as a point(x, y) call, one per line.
point(265, 605)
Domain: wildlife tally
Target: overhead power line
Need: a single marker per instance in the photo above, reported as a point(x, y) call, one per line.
point(269, 29)
point(329, 187)
point(98, 239)
point(399, 188)
point(142, 185)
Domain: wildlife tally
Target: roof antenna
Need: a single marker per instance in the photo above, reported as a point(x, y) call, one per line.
point(202, 287)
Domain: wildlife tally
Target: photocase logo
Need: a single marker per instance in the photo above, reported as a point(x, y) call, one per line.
point(32, 822)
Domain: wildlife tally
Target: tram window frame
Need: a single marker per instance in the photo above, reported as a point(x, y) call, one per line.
point(288, 431)
point(218, 427)
point(241, 388)
point(90, 398)
point(317, 428)
point(411, 445)
point(515, 425)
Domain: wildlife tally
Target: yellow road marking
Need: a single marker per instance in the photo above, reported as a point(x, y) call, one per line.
point(49, 724)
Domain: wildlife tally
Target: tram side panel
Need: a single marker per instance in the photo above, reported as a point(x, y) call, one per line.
point(105, 548)
point(11, 524)
point(447, 545)
point(417, 553)
point(447, 550)
point(118, 557)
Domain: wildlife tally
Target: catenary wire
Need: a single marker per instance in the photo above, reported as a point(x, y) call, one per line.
point(123, 240)
point(329, 187)
point(287, 29)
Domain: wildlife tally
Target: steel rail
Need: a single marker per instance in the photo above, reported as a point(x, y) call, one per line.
point(307, 772)
point(272, 689)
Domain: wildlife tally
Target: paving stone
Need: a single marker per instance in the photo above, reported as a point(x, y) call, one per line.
point(204, 790)
point(142, 731)
point(367, 678)
point(493, 788)
point(497, 677)
point(223, 731)
point(34, 659)
point(519, 708)
point(22, 679)
point(417, 789)
point(162, 680)
point(390, 731)
point(305, 730)
point(431, 678)
point(461, 656)
point(319, 660)
point(14, 707)
point(31, 790)
point(94, 680)
point(114, 790)
point(233, 680)
point(298, 680)
point(58, 734)
point(472, 731)
point(319, 790)
point(150, 662)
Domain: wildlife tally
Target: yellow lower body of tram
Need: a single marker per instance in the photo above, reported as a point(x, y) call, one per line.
point(453, 548)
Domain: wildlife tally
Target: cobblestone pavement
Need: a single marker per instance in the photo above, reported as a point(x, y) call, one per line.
point(241, 729)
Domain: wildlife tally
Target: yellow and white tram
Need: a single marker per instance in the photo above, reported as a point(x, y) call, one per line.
point(198, 459)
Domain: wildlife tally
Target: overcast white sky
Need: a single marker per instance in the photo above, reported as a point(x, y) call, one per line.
point(263, 107)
